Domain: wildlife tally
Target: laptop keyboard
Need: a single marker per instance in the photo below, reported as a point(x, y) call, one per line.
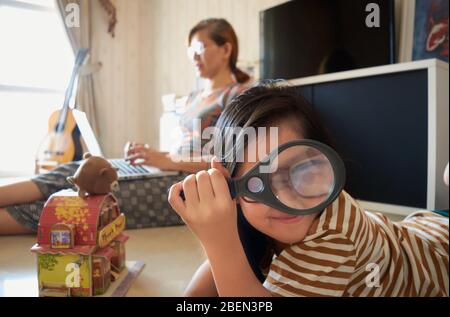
point(127, 169)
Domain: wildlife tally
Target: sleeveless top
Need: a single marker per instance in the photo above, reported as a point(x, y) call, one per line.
point(201, 112)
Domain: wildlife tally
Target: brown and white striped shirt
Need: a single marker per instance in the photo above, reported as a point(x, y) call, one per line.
point(352, 252)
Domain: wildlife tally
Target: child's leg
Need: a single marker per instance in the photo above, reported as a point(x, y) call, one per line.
point(23, 202)
point(9, 226)
point(19, 193)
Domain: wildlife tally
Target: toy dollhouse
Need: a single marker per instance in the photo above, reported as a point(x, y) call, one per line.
point(80, 244)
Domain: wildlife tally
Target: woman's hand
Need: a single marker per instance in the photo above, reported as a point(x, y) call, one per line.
point(141, 154)
point(208, 208)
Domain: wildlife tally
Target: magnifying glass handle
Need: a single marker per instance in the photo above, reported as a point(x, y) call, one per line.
point(231, 187)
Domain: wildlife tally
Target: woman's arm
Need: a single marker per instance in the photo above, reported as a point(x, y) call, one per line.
point(141, 154)
point(202, 283)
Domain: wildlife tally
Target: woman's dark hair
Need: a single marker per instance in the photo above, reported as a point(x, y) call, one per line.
point(221, 32)
point(261, 106)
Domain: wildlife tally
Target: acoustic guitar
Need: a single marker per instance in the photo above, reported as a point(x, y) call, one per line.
point(62, 144)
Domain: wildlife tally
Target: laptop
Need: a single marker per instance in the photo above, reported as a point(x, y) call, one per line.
point(125, 170)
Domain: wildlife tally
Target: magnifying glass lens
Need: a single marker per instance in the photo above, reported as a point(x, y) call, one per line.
point(302, 177)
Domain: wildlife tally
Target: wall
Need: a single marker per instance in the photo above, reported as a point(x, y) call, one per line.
point(118, 84)
point(147, 59)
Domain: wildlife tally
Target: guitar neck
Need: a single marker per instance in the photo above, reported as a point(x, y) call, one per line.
point(73, 84)
point(71, 88)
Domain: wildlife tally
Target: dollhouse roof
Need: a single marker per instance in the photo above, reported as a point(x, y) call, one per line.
point(106, 252)
point(46, 249)
point(68, 208)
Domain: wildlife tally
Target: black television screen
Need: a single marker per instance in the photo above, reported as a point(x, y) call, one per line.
point(309, 37)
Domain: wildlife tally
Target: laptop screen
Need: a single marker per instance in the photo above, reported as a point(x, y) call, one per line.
point(88, 134)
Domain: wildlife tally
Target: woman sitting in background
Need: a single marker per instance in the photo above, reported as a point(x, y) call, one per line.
point(213, 49)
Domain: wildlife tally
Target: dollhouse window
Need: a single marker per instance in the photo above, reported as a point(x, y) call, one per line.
point(61, 236)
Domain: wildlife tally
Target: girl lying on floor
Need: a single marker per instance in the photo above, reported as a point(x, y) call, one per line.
point(254, 249)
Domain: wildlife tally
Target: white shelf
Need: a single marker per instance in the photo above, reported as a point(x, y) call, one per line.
point(371, 71)
point(438, 125)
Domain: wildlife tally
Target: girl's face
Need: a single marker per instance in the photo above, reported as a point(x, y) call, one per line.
point(283, 227)
point(208, 57)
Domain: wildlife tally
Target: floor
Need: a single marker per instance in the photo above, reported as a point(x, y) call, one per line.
point(171, 256)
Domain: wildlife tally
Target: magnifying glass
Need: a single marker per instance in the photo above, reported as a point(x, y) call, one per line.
point(299, 178)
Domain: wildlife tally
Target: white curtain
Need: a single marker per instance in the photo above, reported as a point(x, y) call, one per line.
point(81, 37)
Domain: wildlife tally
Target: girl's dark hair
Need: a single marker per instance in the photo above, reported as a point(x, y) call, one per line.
point(221, 32)
point(260, 106)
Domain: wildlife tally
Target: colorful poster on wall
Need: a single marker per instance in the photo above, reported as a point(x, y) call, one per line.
point(431, 30)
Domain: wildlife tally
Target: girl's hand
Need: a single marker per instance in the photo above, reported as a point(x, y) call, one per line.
point(142, 154)
point(208, 208)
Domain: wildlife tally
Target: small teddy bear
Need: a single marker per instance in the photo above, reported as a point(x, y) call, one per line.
point(95, 176)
